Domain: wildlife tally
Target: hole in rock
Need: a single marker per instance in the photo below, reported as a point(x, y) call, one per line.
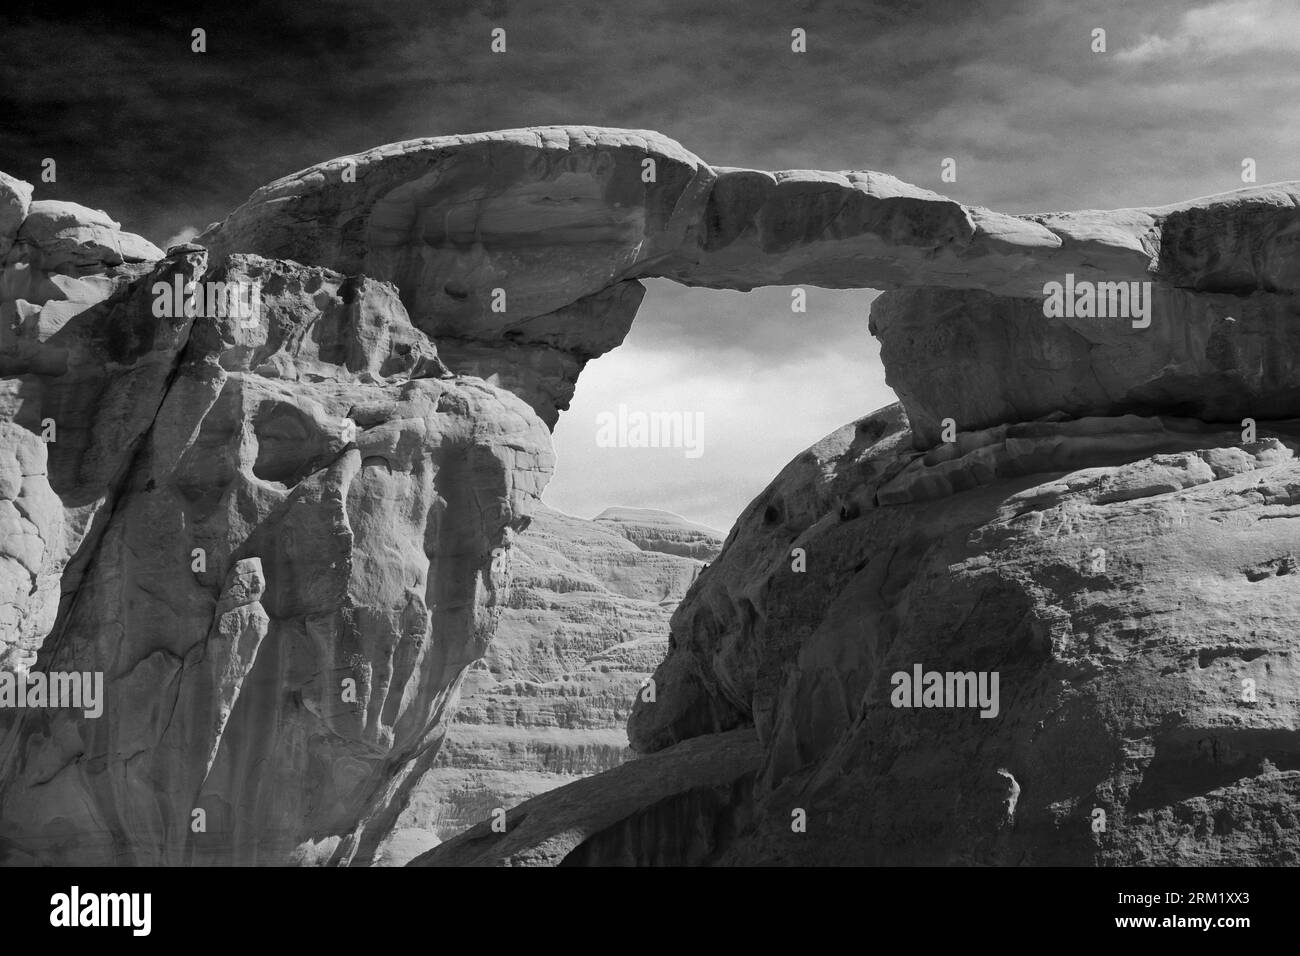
point(712, 393)
point(742, 385)
point(289, 445)
point(1207, 655)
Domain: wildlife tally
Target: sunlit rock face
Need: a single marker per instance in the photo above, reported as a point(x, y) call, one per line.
point(275, 538)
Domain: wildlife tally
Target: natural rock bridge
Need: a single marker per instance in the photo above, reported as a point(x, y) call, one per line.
point(234, 522)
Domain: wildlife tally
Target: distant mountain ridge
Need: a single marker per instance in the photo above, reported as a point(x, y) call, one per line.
point(663, 531)
point(585, 624)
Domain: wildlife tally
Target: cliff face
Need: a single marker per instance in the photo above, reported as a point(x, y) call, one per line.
point(273, 538)
point(1122, 605)
point(585, 625)
point(284, 538)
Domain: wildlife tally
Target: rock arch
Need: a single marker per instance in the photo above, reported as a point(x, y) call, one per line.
point(382, 342)
point(564, 220)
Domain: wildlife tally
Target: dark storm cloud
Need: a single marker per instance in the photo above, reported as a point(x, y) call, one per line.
point(164, 138)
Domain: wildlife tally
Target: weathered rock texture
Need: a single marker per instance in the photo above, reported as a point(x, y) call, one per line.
point(505, 238)
point(355, 464)
point(275, 541)
point(1121, 670)
point(585, 624)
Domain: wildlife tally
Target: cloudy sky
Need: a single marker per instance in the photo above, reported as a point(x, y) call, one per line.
point(165, 139)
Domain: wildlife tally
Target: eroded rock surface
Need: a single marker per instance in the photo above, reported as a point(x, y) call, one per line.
point(274, 537)
point(531, 238)
point(1125, 607)
point(284, 538)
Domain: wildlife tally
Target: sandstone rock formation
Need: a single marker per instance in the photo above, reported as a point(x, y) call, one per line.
point(284, 539)
point(585, 624)
point(551, 218)
point(1122, 604)
point(275, 538)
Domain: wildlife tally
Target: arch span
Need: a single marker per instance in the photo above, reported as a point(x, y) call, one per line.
point(520, 252)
